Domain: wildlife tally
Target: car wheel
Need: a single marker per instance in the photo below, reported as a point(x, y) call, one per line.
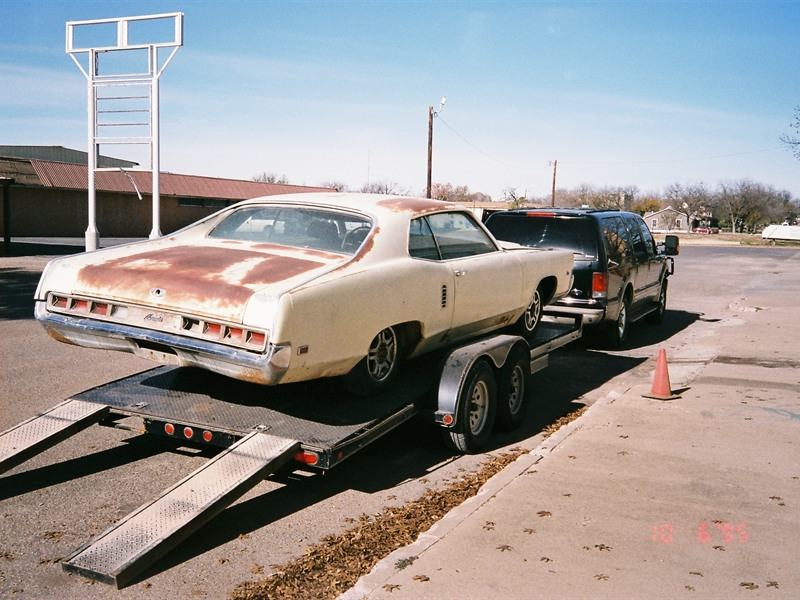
point(530, 319)
point(377, 370)
point(476, 410)
point(618, 330)
point(657, 316)
point(512, 390)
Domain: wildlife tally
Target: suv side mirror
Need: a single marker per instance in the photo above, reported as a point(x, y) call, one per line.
point(672, 245)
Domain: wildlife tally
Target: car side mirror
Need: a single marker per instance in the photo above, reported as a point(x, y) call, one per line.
point(672, 245)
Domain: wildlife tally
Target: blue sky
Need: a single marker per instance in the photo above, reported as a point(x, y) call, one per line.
point(631, 93)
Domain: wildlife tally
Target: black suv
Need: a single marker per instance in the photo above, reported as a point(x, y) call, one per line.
point(620, 272)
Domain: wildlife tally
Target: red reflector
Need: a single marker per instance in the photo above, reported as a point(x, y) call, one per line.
point(447, 419)
point(599, 285)
point(213, 329)
point(169, 428)
point(235, 335)
point(309, 458)
point(188, 433)
point(207, 435)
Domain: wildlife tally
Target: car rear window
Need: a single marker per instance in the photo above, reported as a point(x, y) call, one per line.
point(545, 231)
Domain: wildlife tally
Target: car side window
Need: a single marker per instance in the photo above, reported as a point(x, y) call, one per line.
point(616, 238)
point(649, 242)
point(420, 240)
point(637, 240)
point(444, 236)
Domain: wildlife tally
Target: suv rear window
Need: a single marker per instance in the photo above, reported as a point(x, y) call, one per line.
point(544, 231)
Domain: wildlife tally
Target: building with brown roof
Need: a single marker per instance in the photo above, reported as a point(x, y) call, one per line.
point(46, 192)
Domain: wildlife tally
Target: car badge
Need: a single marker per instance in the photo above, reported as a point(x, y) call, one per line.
point(158, 292)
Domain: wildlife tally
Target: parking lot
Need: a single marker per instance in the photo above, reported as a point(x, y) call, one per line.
point(58, 500)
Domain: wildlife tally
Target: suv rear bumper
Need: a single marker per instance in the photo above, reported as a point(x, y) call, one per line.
point(590, 315)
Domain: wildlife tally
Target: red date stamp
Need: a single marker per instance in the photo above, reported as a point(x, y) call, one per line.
point(716, 531)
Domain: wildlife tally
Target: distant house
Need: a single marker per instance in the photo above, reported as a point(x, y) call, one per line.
point(47, 189)
point(667, 220)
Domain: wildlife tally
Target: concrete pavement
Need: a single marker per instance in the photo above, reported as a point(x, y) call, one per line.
point(696, 497)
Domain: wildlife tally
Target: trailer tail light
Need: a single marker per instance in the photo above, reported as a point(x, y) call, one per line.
point(307, 457)
point(207, 436)
point(169, 428)
point(188, 433)
point(599, 285)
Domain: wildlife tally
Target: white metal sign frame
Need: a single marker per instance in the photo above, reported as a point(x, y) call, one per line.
point(123, 107)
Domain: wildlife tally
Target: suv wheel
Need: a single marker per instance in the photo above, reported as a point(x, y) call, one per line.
point(618, 330)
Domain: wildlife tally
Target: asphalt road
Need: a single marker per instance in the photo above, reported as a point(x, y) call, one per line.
point(61, 498)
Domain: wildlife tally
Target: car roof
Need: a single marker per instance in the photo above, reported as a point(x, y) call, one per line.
point(569, 212)
point(380, 205)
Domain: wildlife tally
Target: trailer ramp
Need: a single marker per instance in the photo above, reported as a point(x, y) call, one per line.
point(43, 431)
point(121, 552)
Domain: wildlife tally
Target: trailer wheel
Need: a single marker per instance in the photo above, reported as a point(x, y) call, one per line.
point(512, 390)
point(477, 405)
point(377, 370)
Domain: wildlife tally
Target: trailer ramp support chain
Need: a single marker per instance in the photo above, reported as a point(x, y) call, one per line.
point(43, 431)
point(121, 552)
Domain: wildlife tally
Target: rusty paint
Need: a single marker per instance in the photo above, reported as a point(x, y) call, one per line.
point(415, 205)
point(368, 244)
point(206, 279)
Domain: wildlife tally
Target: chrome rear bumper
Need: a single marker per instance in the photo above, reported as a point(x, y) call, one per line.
point(266, 368)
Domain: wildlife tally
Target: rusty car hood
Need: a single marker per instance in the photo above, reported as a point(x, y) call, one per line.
point(203, 280)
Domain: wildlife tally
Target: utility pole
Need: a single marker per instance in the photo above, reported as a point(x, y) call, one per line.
point(553, 197)
point(430, 150)
point(431, 114)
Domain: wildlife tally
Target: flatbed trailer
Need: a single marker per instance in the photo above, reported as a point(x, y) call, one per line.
point(469, 389)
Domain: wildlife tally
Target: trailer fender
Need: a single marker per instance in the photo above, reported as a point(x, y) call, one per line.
point(454, 373)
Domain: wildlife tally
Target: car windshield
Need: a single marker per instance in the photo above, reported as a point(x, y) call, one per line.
point(295, 226)
point(564, 233)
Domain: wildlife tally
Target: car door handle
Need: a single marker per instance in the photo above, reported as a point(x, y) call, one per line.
point(459, 272)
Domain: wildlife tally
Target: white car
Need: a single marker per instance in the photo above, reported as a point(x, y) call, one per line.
point(289, 288)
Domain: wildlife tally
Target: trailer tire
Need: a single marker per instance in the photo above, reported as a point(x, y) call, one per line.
point(477, 407)
point(512, 390)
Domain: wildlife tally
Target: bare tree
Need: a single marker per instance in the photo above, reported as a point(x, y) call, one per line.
point(270, 178)
point(791, 140)
point(384, 187)
point(335, 185)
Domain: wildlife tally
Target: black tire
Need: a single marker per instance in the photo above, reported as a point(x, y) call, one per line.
point(477, 406)
point(513, 391)
point(617, 332)
point(657, 316)
point(530, 319)
point(375, 372)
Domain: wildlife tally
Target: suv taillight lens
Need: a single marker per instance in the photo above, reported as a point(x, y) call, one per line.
point(599, 285)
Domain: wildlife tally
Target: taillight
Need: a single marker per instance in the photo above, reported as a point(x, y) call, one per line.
point(599, 285)
point(307, 457)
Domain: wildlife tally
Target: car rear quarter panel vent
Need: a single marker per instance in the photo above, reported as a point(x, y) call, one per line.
point(444, 296)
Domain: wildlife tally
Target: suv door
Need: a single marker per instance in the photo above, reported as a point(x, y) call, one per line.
point(646, 275)
point(620, 261)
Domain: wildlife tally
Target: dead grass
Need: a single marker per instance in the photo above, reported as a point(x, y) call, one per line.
point(333, 566)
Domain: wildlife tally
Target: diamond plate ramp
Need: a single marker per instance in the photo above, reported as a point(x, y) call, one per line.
point(124, 550)
point(39, 433)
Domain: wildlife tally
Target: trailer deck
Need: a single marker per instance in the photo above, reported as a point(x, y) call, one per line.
point(260, 428)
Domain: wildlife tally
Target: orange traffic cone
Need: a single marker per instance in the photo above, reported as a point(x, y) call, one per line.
point(661, 389)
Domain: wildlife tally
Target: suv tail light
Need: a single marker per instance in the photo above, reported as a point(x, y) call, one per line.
point(599, 285)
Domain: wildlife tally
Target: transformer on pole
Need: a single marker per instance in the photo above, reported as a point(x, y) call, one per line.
point(123, 94)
